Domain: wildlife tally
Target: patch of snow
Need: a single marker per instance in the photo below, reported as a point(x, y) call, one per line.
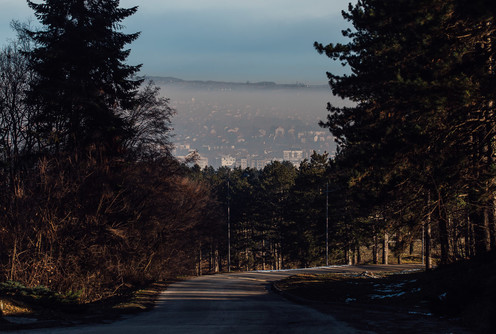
point(387, 296)
point(350, 300)
point(410, 271)
point(299, 269)
point(420, 313)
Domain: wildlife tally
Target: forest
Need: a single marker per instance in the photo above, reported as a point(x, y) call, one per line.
point(93, 202)
point(416, 149)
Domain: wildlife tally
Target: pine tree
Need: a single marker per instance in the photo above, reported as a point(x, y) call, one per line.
point(306, 212)
point(422, 123)
point(82, 79)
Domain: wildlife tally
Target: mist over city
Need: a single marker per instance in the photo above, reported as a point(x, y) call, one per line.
point(248, 124)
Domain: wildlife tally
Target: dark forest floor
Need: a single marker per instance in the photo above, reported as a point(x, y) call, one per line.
point(451, 299)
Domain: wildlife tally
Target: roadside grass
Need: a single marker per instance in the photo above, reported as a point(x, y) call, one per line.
point(24, 308)
point(464, 290)
point(382, 288)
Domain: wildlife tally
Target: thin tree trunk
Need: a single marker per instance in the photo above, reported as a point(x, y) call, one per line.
point(14, 257)
point(385, 249)
point(247, 255)
point(359, 254)
point(200, 260)
point(427, 239)
point(217, 260)
point(347, 255)
point(481, 235)
point(375, 250)
point(211, 257)
point(263, 252)
point(486, 230)
point(443, 228)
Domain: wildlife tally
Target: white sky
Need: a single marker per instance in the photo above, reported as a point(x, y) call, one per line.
point(230, 40)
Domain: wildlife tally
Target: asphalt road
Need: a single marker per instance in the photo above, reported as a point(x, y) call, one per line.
point(228, 303)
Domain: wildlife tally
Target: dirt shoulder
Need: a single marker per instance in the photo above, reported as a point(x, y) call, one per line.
point(375, 299)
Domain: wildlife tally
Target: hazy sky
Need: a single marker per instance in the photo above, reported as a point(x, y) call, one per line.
point(229, 40)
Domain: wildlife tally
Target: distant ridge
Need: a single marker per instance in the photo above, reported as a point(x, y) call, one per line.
point(230, 85)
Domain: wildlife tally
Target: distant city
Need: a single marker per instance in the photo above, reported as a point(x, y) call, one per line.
point(248, 124)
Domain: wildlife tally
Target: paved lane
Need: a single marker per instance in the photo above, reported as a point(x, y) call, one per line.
point(229, 303)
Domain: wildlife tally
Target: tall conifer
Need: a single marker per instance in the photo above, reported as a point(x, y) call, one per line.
point(423, 122)
point(82, 79)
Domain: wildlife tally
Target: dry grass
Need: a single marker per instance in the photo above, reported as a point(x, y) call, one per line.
point(378, 288)
point(104, 310)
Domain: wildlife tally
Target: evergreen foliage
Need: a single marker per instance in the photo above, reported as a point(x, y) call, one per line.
point(422, 127)
point(81, 75)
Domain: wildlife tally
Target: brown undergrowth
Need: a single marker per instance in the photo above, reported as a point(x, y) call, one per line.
point(28, 310)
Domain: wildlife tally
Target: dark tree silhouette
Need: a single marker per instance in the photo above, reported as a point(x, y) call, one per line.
point(81, 75)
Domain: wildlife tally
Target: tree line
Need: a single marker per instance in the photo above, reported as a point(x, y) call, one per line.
point(286, 216)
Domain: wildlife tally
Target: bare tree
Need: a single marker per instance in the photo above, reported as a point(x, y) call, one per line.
point(150, 124)
point(17, 133)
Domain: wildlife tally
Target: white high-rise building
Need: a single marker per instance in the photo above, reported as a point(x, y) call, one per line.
point(227, 161)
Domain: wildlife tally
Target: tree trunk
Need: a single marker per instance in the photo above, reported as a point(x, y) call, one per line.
point(14, 259)
point(200, 260)
point(375, 250)
point(347, 255)
point(480, 223)
point(486, 230)
point(359, 254)
point(468, 239)
point(443, 235)
point(385, 249)
point(263, 252)
point(211, 257)
point(216, 260)
point(247, 251)
point(427, 242)
point(493, 221)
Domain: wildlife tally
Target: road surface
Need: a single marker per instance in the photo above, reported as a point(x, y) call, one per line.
point(227, 303)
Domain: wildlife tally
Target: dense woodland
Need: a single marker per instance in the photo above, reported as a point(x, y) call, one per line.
point(416, 157)
point(418, 148)
point(93, 202)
